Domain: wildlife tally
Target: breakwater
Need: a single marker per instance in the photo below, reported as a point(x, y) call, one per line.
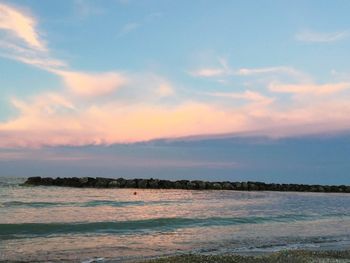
point(100, 182)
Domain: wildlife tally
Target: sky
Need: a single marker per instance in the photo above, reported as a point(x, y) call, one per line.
point(90, 86)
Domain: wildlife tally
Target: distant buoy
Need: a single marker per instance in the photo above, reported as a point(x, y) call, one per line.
point(135, 193)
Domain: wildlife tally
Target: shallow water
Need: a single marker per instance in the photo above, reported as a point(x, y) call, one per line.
point(80, 225)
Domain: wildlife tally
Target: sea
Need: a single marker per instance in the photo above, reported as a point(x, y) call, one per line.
point(61, 224)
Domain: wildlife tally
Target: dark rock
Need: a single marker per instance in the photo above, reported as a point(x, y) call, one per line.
point(252, 186)
point(84, 181)
point(227, 186)
point(142, 183)
point(237, 186)
point(153, 183)
point(72, 182)
point(114, 184)
point(122, 182)
point(191, 185)
point(200, 185)
point(244, 186)
point(131, 183)
point(102, 182)
point(215, 186)
point(165, 184)
point(33, 180)
point(181, 184)
point(47, 181)
point(178, 185)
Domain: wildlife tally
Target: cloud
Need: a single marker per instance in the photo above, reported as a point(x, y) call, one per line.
point(165, 89)
point(223, 70)
point(54, 119)
point(21, 26)
point(128, 28)
point(111, 123)
point(22, 41)
point(139, 112)
point(308, 89)
point(34, 52)
point(92, 84)
point(209, 72)
point(246, 95)
point(85, 8)
point(321, 37)
point(268, 70)
point(132, 26)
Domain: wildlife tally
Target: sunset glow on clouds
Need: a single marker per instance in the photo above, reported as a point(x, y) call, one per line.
point(126, 104)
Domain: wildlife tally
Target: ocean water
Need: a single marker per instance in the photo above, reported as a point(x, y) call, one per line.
point(42, 224)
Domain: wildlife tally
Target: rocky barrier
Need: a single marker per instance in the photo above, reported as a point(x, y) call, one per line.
point(100, 182)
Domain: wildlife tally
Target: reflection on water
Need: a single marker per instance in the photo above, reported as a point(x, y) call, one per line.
point(51, 223)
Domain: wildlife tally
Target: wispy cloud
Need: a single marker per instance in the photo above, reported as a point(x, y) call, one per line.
point(132, 26)
point(85, 9)
point(25, 45)
point(249, 95)
point(321, 37)
point(128, 28)
point(22, 39)
point(21, 26)
point(165, 89)
point(323, 89)
point(224, 70)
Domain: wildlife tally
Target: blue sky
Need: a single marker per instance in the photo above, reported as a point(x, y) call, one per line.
point(79, 73)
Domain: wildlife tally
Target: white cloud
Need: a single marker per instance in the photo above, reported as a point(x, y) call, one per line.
point(321, 37)
point(209, 72)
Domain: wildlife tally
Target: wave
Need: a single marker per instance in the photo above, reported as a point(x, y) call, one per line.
point(93, 203)
point(9, 231)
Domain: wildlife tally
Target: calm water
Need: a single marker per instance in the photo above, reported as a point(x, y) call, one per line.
point(83, 225)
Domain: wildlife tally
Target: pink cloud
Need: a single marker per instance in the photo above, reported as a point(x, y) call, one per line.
point(92, 84)
point(52, 119)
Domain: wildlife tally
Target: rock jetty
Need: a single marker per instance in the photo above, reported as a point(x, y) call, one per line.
point(99, 182)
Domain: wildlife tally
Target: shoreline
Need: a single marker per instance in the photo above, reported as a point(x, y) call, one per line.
point(285, 256)
point(100, 182)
